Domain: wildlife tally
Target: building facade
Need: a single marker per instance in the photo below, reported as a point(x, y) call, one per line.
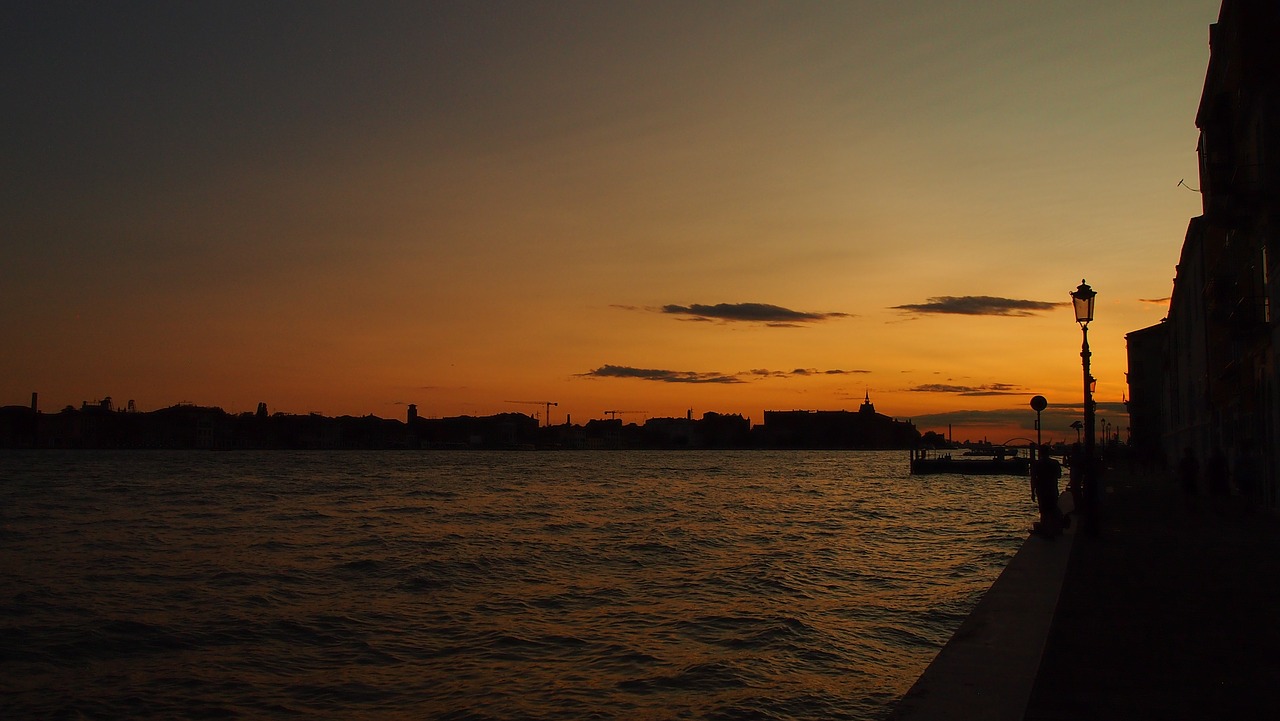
point(1205, 379)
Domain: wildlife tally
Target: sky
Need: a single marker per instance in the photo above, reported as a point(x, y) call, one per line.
point(645, 207)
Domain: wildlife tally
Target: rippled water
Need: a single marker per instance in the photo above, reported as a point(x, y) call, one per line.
point(486, 585)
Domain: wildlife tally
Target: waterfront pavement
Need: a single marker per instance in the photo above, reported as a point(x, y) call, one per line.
point(1172, 611)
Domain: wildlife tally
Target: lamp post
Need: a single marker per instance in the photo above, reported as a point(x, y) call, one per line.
point(1082, 299)
point(1038, 404)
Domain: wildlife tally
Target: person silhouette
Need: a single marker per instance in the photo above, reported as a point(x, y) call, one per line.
point(1045, 472)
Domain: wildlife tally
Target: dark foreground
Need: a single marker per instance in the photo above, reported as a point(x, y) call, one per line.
point(1172, 612)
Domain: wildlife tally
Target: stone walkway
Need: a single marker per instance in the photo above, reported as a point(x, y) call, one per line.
point(1171, 612)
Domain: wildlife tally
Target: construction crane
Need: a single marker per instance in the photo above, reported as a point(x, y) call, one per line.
point(545, 404)
point(614, 414)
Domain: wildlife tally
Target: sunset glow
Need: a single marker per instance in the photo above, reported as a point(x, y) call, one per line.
point(649, 207)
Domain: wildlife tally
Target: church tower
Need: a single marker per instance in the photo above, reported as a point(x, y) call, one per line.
point(866, 406)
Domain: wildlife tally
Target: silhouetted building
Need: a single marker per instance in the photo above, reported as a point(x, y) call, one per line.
point(505, 430)
point(670, 433)
point(865, 429)
point(1214, 361)
point(18, 427)
point(1149, 394)
point(605, 433)
point(713, 430)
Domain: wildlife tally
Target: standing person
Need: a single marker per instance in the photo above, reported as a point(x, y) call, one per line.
point(1045, 472)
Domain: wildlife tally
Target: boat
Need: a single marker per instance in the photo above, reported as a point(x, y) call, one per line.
point(927, 461)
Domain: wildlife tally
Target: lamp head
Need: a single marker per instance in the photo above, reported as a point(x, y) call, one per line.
point(1082, 299)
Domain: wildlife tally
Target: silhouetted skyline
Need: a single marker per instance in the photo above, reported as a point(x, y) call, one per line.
point(106, 423)
point(185, 426)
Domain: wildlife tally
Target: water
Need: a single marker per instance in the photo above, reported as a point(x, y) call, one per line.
point(486, 585)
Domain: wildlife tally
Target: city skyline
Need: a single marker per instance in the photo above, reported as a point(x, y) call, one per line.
point(653, 207)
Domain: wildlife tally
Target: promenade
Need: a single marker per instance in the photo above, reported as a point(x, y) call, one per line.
point(1171, 612)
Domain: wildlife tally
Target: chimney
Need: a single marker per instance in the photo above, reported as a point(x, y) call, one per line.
point(35, 407)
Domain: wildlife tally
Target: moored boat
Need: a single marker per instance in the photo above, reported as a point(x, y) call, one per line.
point(925, 462)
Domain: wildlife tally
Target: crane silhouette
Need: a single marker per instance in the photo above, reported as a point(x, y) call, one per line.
point(546, 404)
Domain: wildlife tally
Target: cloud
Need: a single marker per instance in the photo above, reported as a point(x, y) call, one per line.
point(771, 315)
point(990, 389)
point(979, 305)
point(661, 376)
point(670, 376)
point(1155, 301)
point(816, 372)
point(803, 372)
point(1106, 408)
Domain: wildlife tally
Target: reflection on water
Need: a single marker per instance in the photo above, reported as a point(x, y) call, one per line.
point(486, 585)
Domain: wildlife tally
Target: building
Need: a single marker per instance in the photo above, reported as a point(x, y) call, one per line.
point(1206, 378)
point(1148, 392)
point(865, 429)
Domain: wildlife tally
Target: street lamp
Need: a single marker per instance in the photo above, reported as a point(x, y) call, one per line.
point(1082, 299)
point(1038, 404)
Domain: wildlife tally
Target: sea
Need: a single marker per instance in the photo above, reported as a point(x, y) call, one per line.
point(485, 584)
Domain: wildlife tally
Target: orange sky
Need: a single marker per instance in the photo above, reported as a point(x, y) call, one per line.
point(650, 207)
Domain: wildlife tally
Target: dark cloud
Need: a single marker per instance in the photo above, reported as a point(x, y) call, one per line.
point(990, 389)
point(771, 315)
point(1055, 421)
point(801, 372)
point(816, 372)
point(979, 305)
point(662, 376)
point(1016, 418)
point(1155, 301)
point(670, 376)
point(1020, 425)
point(1099, 409)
